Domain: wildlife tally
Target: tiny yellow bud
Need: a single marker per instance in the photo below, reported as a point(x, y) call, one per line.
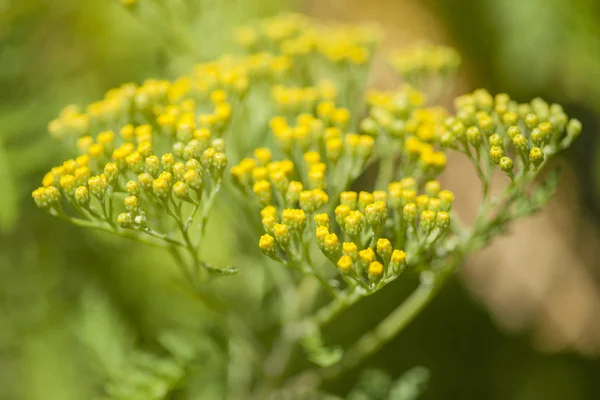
point(345, 264)
point(375, 269)
point(267, 245)
point(131, 203)
point(282, 234)
point(349, 199)
point(125, 220)
point(350, 249)
point(398, 261)
point(442, 220)
point(262, 189)
point(536, 156)
point(410, 212)
point(496, 153)
point(263, 155)
point(384, 247)
point(367, 256)
point(322, 220)
point(82, 196)
point(506, 164)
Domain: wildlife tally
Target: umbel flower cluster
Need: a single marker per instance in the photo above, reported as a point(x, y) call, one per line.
point(343, 179)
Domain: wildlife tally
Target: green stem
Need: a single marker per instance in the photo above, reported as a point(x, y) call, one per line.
point(89, 224)
point(327, 313)
point(395, 322)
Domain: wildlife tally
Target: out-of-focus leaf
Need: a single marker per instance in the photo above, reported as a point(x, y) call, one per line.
point(373, 384)
point(9, 207)
point(318, 353)
point(410, 385)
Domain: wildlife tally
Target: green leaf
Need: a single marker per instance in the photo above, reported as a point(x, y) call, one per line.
point(216, 271)
point(373, 384)
point(318, 353)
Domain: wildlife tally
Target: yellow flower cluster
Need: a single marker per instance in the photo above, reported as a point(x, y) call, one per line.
point(294, 99)
point(370, 232)
point(297, 91)
point(499, 130)
point(298, 36)
point(425, 61)
point(124, 166)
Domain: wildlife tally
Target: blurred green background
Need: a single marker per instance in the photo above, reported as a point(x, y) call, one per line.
point(75, 305)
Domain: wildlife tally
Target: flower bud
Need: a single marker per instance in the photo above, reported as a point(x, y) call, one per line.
point(292, 195)
point(131, 204)
point(536, 156)
point(132, 188)
point(376, 213)
point(322, 220)
point(432, 188)
point(82, 196)
point(263, 155)
point(410, 213)
point(398, 261)
point(98, 185)
point(331, 245)
point(111, 172)
point(345, 264)
point(496, 153)
point(422, 202)
point(446, 198)
point(68, 183)
point(350, 249)
point(442, 220)
point(282, 235)
point(341, 212)
point(47, 198)
point(427, 221)
point(349, 199)
point(384, 248)
point(364, 199)
point(531, 121)
point(366, 256)
point(181, 190)
point(513, 131)
point(178, 149)
point(152, 165)
point(167, 161)
point(496, 140)
point(333, 149)
point(520, 142)
point(294, 218)
point(379, 195)
point(474, 136)
point(135, 162)
point(506, 164)
point(353, 223)
point(178, 170)
point(145, 180)
point(262, 190)
point(375, 269)
point(124, 220)
point(510, 118)
point(219, 164)
point(267, 245)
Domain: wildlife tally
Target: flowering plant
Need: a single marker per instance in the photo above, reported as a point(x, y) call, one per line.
point(339, 183)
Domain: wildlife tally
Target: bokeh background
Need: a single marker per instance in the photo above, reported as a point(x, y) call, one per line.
point(521, 322)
